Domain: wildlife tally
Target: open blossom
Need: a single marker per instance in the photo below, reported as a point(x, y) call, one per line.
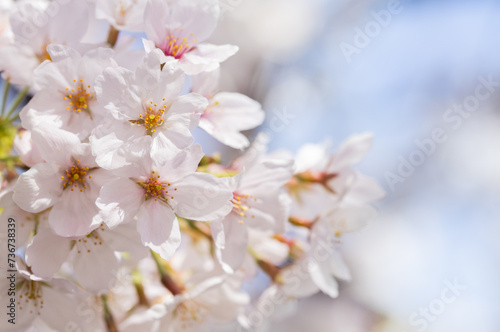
point(156, 192)
point(228, 113)
point(143, 103)
point(66, 87)
point(92, 256)
point(323, 179)
point(52, 302)
point(258, 203)
point(118, 220)
point(122, 14)
point(36, 25)
point(68, 183)
point(179, 29)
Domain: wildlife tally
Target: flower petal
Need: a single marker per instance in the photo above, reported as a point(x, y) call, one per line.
point(47, 252)
point(201, 196)
point(159, 228)
point(39, 188)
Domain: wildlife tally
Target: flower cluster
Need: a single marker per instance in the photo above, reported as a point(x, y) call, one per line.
point(122, 222)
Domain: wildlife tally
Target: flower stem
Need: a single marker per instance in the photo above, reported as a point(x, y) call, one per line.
point(112, 36)
point(165, 276)
point(108, 316)
point(5, 94)
point(19, 98)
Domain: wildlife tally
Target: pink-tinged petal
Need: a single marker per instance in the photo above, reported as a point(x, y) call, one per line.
point(235, 110)
point(95, 265)
point(54, 144)
point(157, 14)
point(183, 163)
point(75, 214)
point(201, 196)
point(206, 83)
point(159, 228)
point(188, 104)
point(61, 309)
point(206, 57)
point(24, 221)
point(351, 152)
point(233, 254)
point(26, 149)
point(120, 201)
point(113, 141)
point(124, 238)
point(267, 176)
point(47, 252)
point(162, 85)
point(198, 17)
point(39, 188)
point(116, 91)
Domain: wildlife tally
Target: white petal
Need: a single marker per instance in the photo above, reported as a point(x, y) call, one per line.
point(159, 228)
point(351, 152)
point(75, 214)
point(95, 266)
point(206, 57)
point(322, 277)
point(201, 196)
point(236, 243)
point(39, 188)
point(120, 201)
point(46, 253)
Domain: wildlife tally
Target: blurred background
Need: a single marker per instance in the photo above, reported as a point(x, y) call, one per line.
point(403, 70)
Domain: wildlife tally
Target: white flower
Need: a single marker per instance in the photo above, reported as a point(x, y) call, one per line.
point(53, 302)
point(179, 29)
point(323, 179)
point(258, 202)
point(36, 25)
point(143, 103)
point(92, 256)
point(156, 192)
point(25, 222)
point(68, 183)
point(228, 113)
point(122, 14)
point(66, 87)
point(216, 299)
point(26, 149)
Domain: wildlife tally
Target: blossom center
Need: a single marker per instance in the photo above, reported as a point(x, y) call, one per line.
point(176, 46)
point(241, 204)
point(30, 297)
point(156, 189)
point(79, 98)
point(75, 177)
point(152, 117)
point(190, 311)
